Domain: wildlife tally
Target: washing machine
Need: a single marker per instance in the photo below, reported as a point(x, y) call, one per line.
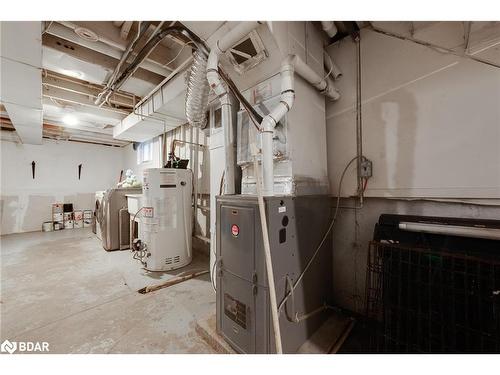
point(114, 220)
point(96, 228)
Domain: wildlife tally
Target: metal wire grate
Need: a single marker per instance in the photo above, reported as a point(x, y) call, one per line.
point(432, 301)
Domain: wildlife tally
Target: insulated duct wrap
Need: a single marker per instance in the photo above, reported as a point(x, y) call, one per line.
point(197, 91)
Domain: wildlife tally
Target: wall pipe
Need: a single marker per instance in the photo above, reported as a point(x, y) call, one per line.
point(220, 47)
point(451, 230)
point(229, 120)
point(228, 101)
point(329, 28)
point(267, 255)
point(152, 42)
point(141, 28)
point(289, 66)
point(359, 120)
point(331, 67)
point(196, 136)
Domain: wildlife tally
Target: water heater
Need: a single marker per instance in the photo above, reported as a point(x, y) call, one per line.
point(166, 220)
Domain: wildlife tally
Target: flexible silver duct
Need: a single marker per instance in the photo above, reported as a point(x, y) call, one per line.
point(197, 91)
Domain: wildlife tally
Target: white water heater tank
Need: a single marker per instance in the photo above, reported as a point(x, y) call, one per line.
point(166, 220)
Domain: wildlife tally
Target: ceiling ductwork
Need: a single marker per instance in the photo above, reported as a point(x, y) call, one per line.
point(161, 111)
point(67, 31)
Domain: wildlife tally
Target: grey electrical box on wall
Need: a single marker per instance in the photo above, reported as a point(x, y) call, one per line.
point(296, 227)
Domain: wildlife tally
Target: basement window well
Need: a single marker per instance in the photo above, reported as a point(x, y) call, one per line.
point(145, 152)
point(247, 53)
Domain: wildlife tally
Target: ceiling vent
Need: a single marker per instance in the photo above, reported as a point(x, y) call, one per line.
point(86, 34)
point(247, 53)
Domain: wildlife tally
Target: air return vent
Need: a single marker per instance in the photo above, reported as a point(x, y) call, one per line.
point(247, 53)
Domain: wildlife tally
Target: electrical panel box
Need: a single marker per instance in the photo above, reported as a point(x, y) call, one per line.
point(296, 225)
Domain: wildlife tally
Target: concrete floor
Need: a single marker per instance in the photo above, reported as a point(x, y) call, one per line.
point(63, 288)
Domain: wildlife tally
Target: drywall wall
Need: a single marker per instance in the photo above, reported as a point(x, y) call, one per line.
point(26, 202)
point(431, 120)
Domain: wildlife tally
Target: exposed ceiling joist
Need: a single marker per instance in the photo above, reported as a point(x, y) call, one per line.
point(77, 98)
point(64, 30)
point(478, 41)
point(97, 58)
point(55, 80)
point(96, 111)
point(125, 29)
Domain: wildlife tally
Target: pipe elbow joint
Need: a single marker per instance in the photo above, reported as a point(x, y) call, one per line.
point(331, 91)
point(288, 98)
point(268, 124)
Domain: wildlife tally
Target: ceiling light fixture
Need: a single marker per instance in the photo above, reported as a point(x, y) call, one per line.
point(86, 34)
point(70, 120)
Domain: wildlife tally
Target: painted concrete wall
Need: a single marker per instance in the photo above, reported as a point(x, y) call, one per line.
point(431, 125)
point(26, 202)
point(431, 121)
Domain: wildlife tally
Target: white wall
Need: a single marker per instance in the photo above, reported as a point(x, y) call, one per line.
point(26, 202)
point(431, 126)
point(130, 159)
point(431, 121)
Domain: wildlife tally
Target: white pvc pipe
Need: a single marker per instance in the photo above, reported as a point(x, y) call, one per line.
point(228, 124)
point(331, 67)
point(452, 230)
point(221, 46)
point(329, 28)
point(196, 140)
point(324, 85)
point(267, 253)
point(291, 64)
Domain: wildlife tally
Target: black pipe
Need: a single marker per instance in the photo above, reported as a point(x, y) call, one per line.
point(181, 30)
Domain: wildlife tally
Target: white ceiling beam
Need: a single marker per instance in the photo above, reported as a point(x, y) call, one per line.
point(77, 98)
point(125, 29)
point(59, 81)
point(64, 32)
point(95, 110)
point(21, 72)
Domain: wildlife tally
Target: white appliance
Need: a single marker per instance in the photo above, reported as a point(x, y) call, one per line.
point(96, 228)
point(166, 218)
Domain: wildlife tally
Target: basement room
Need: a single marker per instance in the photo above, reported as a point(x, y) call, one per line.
point(181, 183)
